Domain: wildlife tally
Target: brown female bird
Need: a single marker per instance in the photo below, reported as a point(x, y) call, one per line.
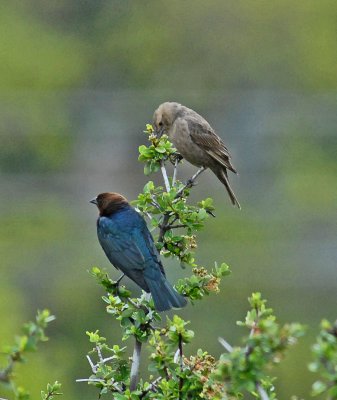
point(195, 140)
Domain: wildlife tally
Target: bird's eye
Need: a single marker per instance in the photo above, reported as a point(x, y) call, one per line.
point(160, 123)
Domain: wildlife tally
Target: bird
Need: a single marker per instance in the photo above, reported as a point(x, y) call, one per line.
point(195, 140)
point(129, 246)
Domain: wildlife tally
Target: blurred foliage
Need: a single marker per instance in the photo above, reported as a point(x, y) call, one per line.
point(325, 360)
point(33, 55)
point(33, 333)
point(246, 368)
point(34, 135)
point(246, 43)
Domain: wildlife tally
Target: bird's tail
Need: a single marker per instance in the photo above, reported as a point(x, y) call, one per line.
point(221, 173)
point(164, 295)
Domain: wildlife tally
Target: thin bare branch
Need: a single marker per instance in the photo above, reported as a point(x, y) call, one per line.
point(134, 374)
point(144, 212)
point(163, 227)
point(92, 365)
point(151, 387)
point(181, 381)
point(166, 181)
point(175, 171)
point(97, 380)
point(99, 353)
point(171, 226)
point(190, 181)
point(225, 344)
point(263, 394)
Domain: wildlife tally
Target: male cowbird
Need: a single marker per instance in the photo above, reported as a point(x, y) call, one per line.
point(195, 140)
point(128, 244)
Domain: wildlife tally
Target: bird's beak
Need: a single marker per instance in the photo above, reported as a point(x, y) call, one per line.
point(94, 201)
point(159, 132)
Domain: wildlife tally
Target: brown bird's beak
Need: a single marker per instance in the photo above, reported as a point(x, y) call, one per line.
point(94, 201)
point(160, 131)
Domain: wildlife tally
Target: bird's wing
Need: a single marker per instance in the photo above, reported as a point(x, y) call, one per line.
point(131, 250)
point(152, 248)
point(121, 248)
point(204, 136)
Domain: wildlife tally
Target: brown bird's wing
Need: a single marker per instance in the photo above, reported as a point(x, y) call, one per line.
point(204, 136)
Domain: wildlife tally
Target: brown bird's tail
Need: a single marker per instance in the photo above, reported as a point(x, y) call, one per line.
point(221, 173)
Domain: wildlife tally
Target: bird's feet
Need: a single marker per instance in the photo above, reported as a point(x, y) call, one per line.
point(117, 283)
point(176, 158)
point(191, 182)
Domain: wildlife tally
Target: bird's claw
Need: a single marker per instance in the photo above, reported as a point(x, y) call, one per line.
point(190, 183)
point(117, 283)
point(176, 158)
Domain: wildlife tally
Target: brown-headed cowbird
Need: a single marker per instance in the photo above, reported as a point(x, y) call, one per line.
point(195, 140)
point(128, 244)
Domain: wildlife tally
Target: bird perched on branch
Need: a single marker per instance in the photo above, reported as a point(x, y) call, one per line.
point(129, 246)
point(195, 140)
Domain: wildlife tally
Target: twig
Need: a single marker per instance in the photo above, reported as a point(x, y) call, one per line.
point(181, 381)
point(134, 374)
point(163, 227)
point(144, 212)
point(166, 181)
point(6, 372)
point(99, 353)
point(190, 181)
point(263, 394)
point(176, 356)
point(225, 344)
point(181, 351)
point(151, 387)
point(171, 226)
point(115, 386)
point(154, 203)
point(92, 365)
point(175, 171)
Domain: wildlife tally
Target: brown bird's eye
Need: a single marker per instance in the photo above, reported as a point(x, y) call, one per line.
point(160, 123)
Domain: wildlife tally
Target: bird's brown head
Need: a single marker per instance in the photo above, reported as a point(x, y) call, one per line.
point(108, 203)
point(164, 117)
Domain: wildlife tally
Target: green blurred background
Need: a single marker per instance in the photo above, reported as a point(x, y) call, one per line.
point(78, 82)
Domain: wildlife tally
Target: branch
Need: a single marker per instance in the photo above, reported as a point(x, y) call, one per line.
point(150, 388)
point(166, 181)
point(181, 381)
point(134, 374)
point(171, 226)
point(263, 394)
point(190, 181)
point(225, 344)
point(92, 365)
point(175, 171)
point(163, 227)
point(6, 372)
